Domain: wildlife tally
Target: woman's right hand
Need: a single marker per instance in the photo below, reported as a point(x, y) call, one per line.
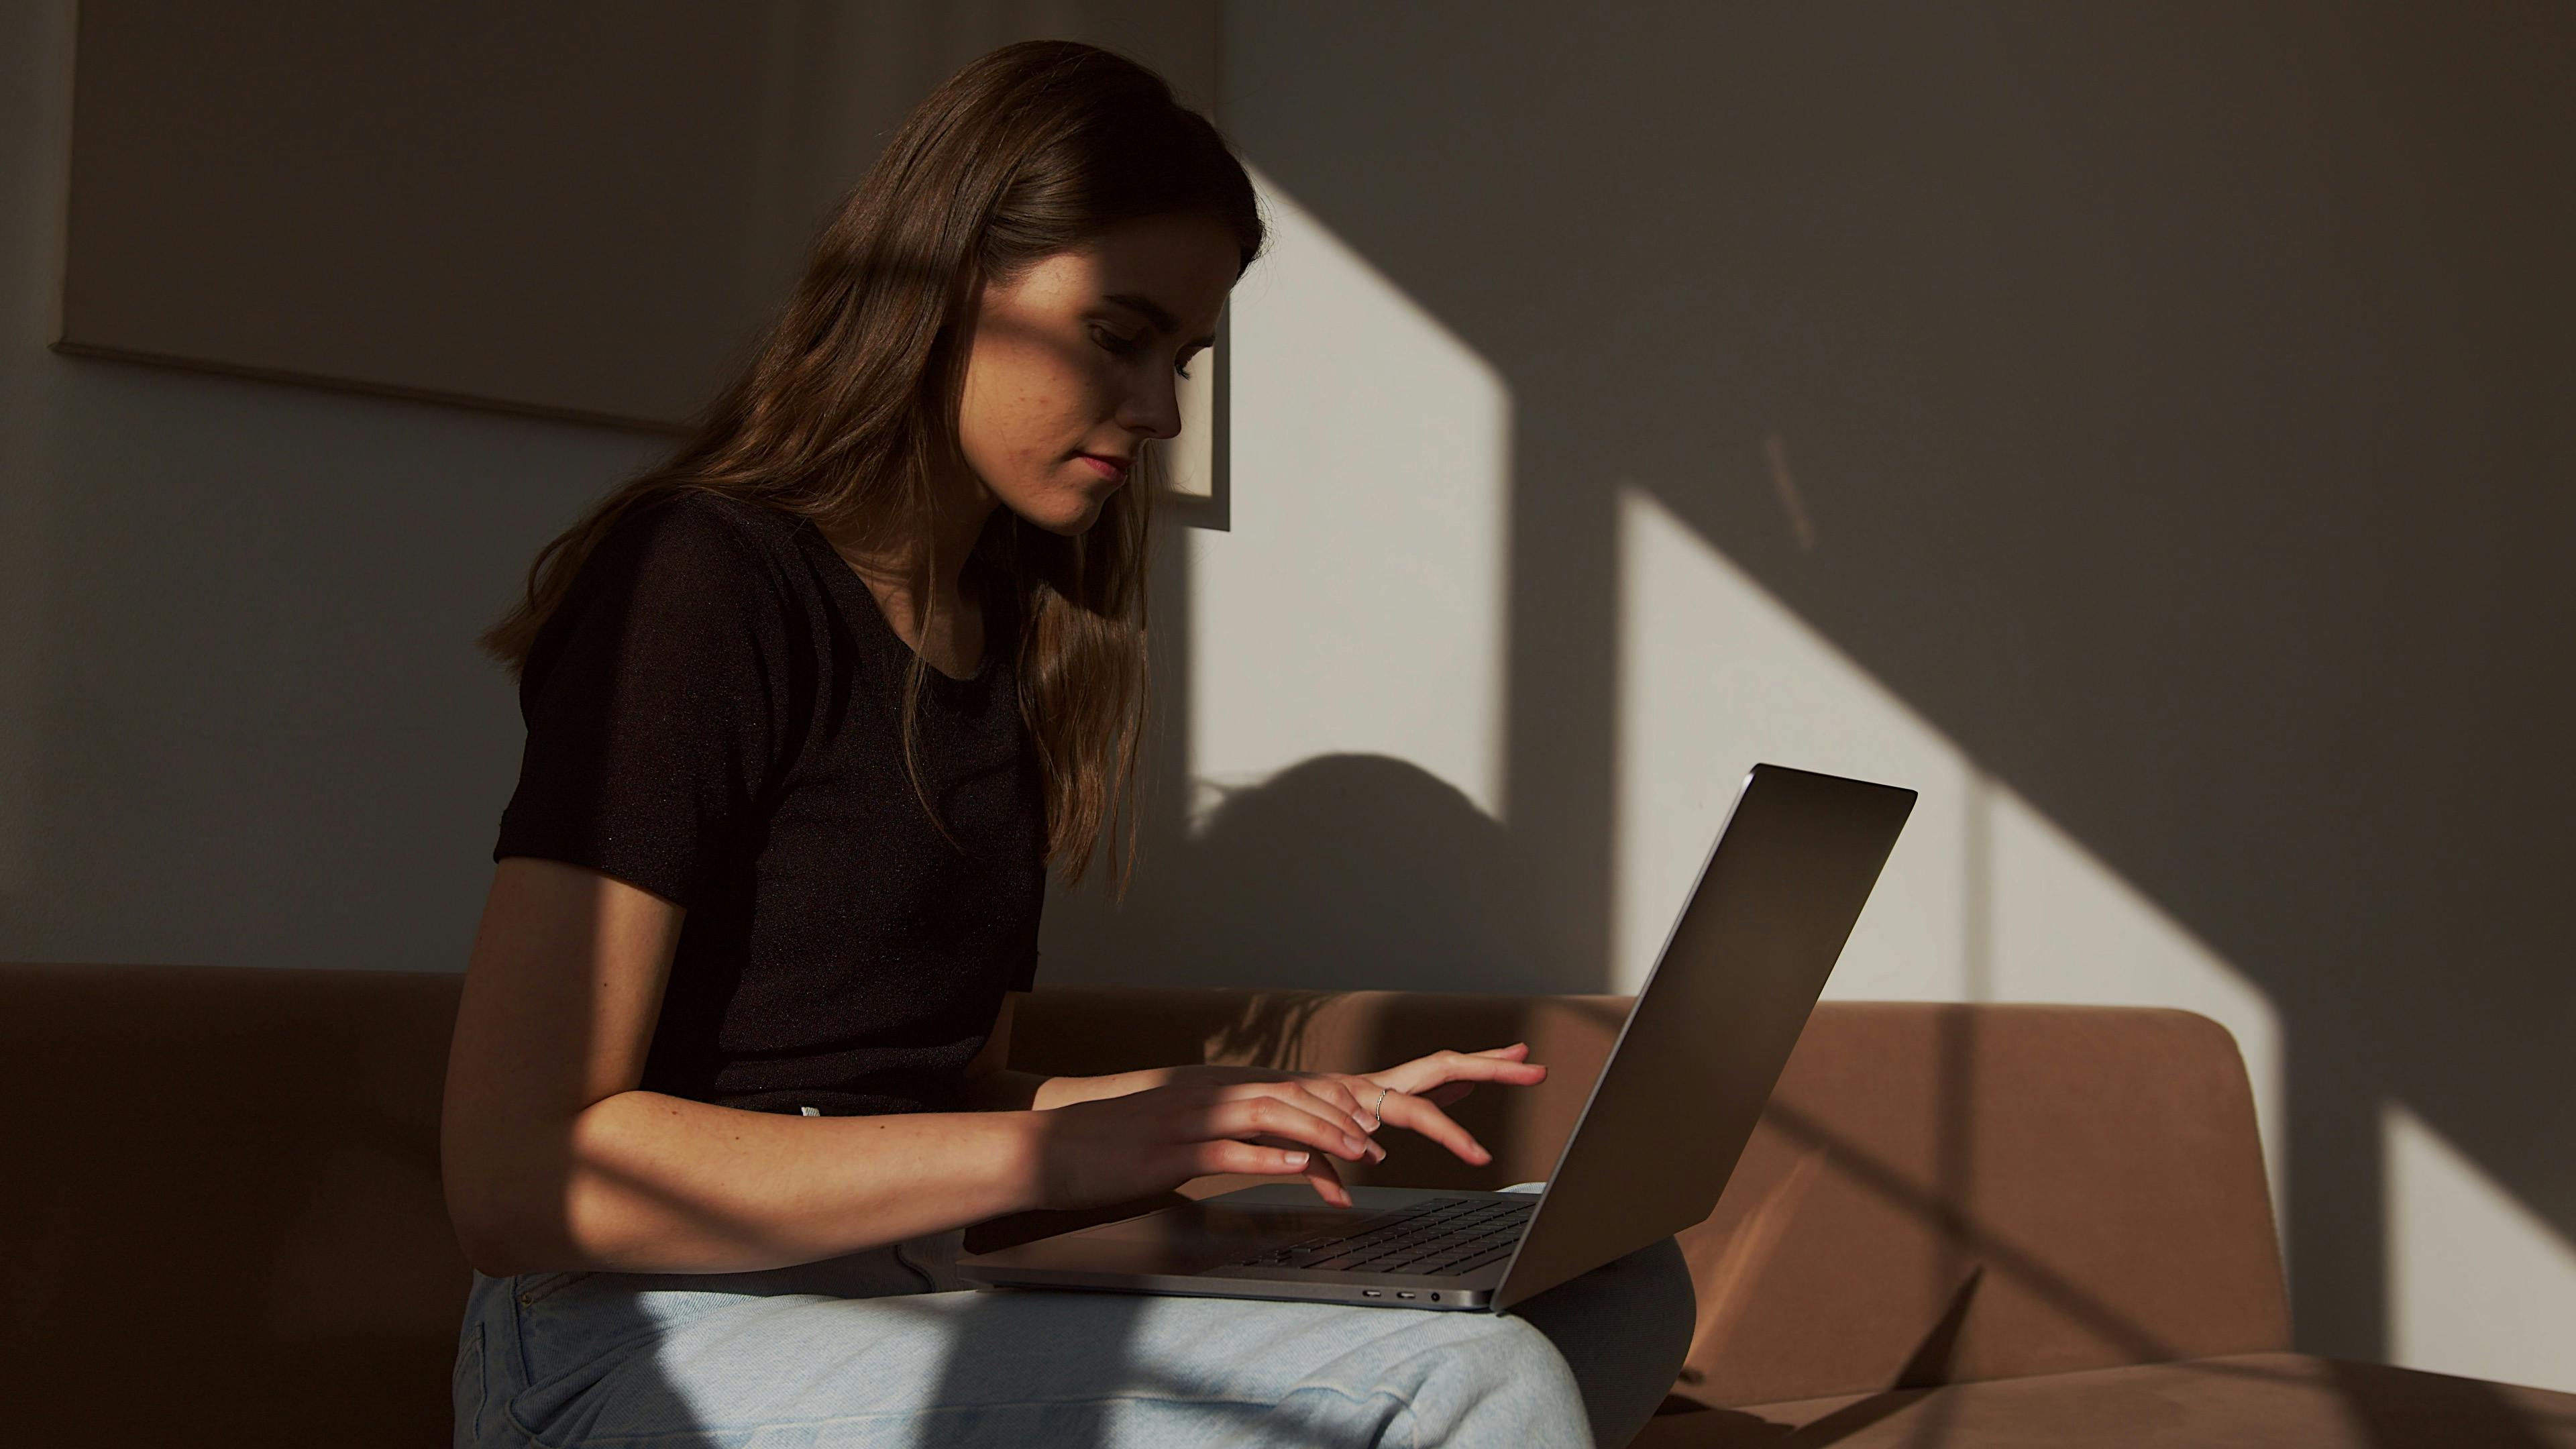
point(1115, 1149)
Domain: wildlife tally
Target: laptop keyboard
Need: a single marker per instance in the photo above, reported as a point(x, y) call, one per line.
point(1436, 1237)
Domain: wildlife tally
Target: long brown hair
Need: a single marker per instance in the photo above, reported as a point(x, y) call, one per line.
point(848, 408)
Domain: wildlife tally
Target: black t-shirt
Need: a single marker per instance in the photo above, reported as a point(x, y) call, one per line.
point(712, 715)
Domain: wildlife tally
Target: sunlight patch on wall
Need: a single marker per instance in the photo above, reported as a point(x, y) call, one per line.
point(1982, 899)
point(2477, 1283)
point(1715, 676)
point(1356, 604)
point(2068, 928)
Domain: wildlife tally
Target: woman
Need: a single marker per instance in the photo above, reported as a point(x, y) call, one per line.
point(811, 708)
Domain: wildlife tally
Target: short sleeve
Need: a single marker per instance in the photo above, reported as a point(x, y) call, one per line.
point(653, 700)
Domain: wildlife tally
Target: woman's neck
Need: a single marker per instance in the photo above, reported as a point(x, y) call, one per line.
point(939, 616)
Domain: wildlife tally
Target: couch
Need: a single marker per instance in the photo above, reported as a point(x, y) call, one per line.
point(1956, 1226)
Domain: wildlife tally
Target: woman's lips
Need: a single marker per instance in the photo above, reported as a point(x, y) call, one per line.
point(1107, 468)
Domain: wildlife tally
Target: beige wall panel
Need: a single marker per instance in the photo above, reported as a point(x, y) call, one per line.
point(579, 210)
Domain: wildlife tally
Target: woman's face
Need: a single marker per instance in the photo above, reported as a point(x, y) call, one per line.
point(1080, 356)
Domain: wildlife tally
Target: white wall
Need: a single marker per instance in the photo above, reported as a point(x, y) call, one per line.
point(2140, 438)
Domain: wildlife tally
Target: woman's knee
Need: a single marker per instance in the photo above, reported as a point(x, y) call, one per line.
point(1585, 1363)
point(1495, 1379)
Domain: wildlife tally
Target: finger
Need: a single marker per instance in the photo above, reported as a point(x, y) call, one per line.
point(1304, 1096)
point(1509, 1064)
point(1362, 1116)
point(1319, 1172)
point(1327, 1181)
point(1364, 1094)
point(1257, 1113)
point(1448, 1093)
point(1225, 1154)
point(1340, 1090)
point(1497, 1063)
point(1419, 1115)
point(1423, 1073)
point(1340, 1102)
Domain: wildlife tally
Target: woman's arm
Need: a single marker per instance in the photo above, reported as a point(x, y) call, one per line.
point(552, 1159)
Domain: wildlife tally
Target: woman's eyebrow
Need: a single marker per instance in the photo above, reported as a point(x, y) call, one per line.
point(1154, 312)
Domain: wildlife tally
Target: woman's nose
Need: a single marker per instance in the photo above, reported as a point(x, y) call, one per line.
point(1154, 410)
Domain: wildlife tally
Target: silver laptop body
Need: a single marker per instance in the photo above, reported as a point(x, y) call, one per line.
point(1668, 1117)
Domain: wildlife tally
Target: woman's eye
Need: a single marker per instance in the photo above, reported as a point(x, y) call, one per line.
point(1122, 346)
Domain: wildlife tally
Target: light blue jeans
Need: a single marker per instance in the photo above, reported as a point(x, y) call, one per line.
point(890, 1348)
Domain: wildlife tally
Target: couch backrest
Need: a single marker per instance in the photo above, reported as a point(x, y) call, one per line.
point(223, 1209)
point(231, 1176)
point(1936, 1193)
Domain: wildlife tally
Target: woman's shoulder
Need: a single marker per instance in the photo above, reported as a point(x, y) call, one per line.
point(691, 560)
point(692, 522)
point(682, 581)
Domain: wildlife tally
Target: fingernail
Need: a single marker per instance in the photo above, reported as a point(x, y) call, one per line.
point(1296, 1159)
point(1352, 1144)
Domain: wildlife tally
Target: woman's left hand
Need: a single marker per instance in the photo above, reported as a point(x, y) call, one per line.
point(1409, 1095)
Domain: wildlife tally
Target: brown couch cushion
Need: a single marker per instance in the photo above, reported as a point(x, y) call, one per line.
point(2246, 1401)
point(223, 1211)
point(1946, 1192)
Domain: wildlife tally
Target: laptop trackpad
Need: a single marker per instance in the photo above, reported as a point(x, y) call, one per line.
point(1200, 1236)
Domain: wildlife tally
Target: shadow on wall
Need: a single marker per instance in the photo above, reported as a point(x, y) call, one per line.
point(1343, 873)
point(2169, 408)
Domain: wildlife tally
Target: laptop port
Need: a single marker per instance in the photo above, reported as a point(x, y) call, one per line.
point(1371, 1293)
point(1403, 1293)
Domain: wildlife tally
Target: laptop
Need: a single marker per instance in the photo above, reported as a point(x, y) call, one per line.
point(1704, 1043)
